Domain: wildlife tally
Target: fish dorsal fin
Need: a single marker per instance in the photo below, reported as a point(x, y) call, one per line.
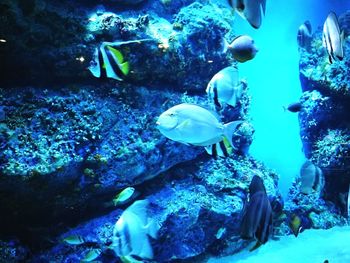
point(125, 67)
point(118, 55)
point(139, 208)
point(263, 6)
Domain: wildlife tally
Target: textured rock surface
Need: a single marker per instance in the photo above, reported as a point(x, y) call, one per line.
point(191, 202)
point(56, 41)
point(324, 119)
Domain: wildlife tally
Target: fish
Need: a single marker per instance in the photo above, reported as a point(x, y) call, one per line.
point(295, 224)
point(193, 125)
point(242, 48)
point(294, 107)
point(92, 255)
point(132, 230)
point(74, 240)
point(304, 35)
point(332, 39)
point(220, 233)
point(225, 87)
point(124, 196)
point(311, 178)
point(251, 10)
point(108, 62)
point(257, 214)
point(130, 259)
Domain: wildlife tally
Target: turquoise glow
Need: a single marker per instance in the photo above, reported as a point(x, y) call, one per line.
point(273, 79)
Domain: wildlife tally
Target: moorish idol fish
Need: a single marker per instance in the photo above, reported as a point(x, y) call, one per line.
point(109, 61)
point(332, 38)
point(251, 10)
point(193, 125)
point(257, 214)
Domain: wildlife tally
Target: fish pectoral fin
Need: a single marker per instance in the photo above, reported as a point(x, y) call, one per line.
point(184, 124)
point(256, 246)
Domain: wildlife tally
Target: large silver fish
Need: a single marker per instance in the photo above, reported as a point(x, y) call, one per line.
point(251, 10)
point(332, 38)
point(130, 234)
point(225, 87)
point(193, 125)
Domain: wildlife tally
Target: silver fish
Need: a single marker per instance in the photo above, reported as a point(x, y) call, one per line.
point(193, 125)
point(131, 231)
point(332, 38)
point(242, 47)
point(225, 87)
point(311, 178)
point(251, 10)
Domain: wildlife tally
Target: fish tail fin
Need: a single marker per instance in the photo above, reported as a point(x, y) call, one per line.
point(152, 228)
point(229, 130)
point(125, 68)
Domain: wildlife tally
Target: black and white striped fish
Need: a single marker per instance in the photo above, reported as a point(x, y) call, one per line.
point(225, 87)
point(251, 10)
point(332, 38)
point(311, 178)
point(108, 62)
point(130, 234)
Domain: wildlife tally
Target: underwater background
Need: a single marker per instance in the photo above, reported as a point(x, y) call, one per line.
point(174, 131)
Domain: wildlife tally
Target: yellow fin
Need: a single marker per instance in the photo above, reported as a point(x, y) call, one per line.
point(227, 145)
point(125, 67)
point(117, 54)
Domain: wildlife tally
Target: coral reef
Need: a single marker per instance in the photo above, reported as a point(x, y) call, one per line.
point(186, 201)
point(324, 123)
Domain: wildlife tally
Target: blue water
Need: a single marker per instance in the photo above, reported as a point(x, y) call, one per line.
point(273, 78)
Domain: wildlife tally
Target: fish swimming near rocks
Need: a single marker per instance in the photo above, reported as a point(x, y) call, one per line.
point(193, 125)
point(225, 87)
point(304, 35)
point(332, 39)
point(74, 240)
point(92, 254)
point(108, 62)
point(242, 48)
point(295, 224)
point(311, 178)
point(251, 10)
point(132, 230)
point(257, 214)
point(125, 195)
point(294, 107)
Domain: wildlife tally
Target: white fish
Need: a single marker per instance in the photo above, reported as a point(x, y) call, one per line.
point(193, 125)
point(243, 48)
point(332, 38)
point(225, 87)
point(130, 234)
point(251, 10)
point(311, 178)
